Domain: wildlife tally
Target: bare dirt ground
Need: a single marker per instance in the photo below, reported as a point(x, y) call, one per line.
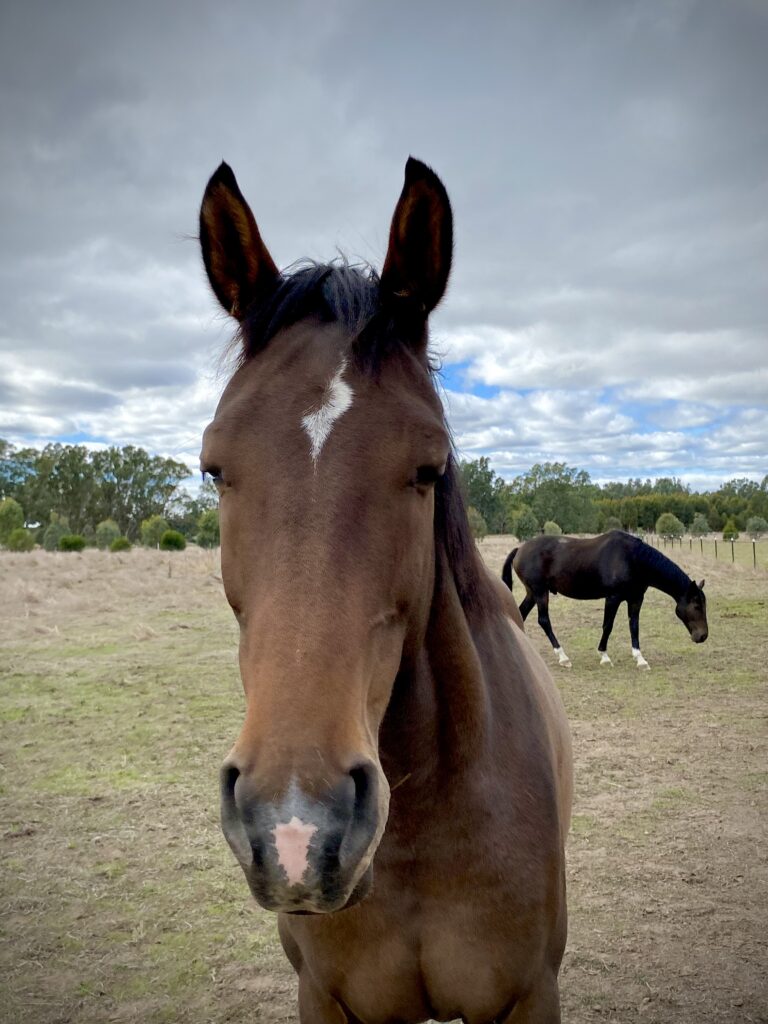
point(119, 900)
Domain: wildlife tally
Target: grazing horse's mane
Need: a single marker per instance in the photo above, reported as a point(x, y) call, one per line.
point(667, 570)
point(350, 296)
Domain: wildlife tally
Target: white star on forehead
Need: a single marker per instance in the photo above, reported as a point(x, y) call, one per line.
point(336, 400)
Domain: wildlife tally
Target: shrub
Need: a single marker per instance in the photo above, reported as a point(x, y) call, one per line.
point(152, 530)
point(11, 519)
point(20, 540)
point(756, 527)
point(612, 523)
point(526, 525)
point(699, 526)
point(56, 529)
point(729, 530)
point(172, 540)
point(120, 544)
point(668, 525)
point(476, 523)
point(208, 529)
point(552, 529)
point(106, 532)
point(71, 542)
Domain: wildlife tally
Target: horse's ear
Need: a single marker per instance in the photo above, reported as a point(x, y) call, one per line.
point(420, 242)
point(701, 585)
point(237, 262)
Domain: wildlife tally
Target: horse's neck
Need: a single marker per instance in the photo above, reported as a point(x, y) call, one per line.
point(663, 573)
point(439, 707)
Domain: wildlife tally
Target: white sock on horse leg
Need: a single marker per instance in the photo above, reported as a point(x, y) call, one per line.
point(604, 659)
point(639, 659)
point(562, 657)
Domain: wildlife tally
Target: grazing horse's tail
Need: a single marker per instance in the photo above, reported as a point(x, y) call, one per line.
point(506, 572)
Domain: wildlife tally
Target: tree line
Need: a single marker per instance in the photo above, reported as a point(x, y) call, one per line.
point(554, 497)
point(127, 493)
point(69, 490)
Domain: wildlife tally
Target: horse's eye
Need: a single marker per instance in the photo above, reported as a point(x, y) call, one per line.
point(214, 474)
point(426, 476)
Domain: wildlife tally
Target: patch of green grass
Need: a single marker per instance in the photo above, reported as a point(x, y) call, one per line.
point(670, 797)
point(584, 824)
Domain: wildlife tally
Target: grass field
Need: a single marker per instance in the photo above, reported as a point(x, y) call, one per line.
point(121, 902)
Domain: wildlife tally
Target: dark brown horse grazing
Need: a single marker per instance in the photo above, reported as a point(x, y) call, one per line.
point(400, 790)
point(614, 565)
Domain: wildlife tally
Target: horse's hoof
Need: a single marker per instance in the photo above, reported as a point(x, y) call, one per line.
point(605, 660)
point(567, 663)
point(643, 666)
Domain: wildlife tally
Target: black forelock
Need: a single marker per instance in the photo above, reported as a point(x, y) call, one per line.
point(334, 292)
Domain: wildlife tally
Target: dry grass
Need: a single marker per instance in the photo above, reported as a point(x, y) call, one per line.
point(121, 902)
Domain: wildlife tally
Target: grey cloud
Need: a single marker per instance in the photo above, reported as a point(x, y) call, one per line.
point(606, 164)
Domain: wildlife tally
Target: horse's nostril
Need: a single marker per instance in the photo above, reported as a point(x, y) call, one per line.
point(229, 776)
point(361, 777)
point(365, 812)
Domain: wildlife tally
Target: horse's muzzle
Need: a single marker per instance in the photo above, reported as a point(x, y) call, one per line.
point(303, 853)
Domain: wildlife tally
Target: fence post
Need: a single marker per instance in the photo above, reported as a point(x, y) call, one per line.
point(715, 547)
point(754, 553)
point(733, 557)
point(701, 542)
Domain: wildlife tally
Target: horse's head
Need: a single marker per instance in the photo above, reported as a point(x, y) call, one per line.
point(325, 448)
point(691, 609)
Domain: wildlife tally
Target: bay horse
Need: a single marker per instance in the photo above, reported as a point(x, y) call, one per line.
point(400, 790)
point(613, 565)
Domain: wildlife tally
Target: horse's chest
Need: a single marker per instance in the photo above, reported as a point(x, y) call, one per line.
point(408, 958)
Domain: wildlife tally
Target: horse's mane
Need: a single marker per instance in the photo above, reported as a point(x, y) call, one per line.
point(350, 295)
point(665, 567)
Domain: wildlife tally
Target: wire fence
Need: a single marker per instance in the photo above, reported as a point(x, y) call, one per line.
point(748, 552)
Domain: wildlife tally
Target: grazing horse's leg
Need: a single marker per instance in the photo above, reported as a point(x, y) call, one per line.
point(611, 607)
point(540, 1006)
point(542, 603)
point(527, 604)
point(634, 604)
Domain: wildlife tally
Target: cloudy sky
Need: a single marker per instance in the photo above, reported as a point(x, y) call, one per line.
point(607, 161)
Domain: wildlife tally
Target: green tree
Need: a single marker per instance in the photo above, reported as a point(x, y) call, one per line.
point(757, 526)
point(134, 486)
point(699, 526)
point(172, 540)
point(11, 518)
point(208, 529)
point(669, 526)
point(560, 493)
point(71, 542)
point(628, 514)
point(611, 523)
point(20, 540)
point(106, 532)
point(526, 525)
point(120, 544)
point(669, 485)
point(483, 490)
point(730, 531)
point(476, 523)
point(184, 510)
point(551, 529)
point(54, 531)
point(152, 530)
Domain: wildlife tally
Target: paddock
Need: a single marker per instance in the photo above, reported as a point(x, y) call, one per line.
point(121, 901)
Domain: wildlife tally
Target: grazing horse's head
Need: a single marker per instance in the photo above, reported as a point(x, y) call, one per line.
point(326, 448)
point(691, 609)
